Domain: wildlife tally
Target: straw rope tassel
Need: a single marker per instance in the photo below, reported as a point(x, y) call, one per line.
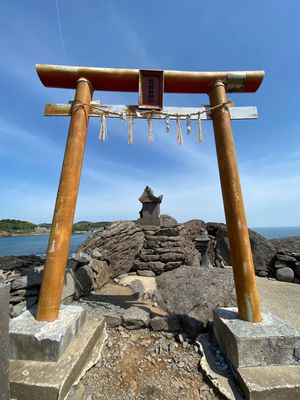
point(130, 130)
point(103, 132)
point(179, 134)
point(199, 128)
point(150, 131)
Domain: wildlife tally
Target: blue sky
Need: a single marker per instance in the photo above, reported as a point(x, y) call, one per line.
point(182, 35)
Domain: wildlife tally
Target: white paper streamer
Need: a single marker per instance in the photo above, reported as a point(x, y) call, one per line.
point(179, 134)
point(103, 131)
point(188, 124)
point(199, 128)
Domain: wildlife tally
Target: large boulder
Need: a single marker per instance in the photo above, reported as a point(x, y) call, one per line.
point(263, 250)
point(120, 242)
point(192, 293)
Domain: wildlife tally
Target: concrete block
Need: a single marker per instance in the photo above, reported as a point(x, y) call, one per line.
point(246, 344)
point(30, 339)
point(4, 320)
point(270, 383)
point(36, 380)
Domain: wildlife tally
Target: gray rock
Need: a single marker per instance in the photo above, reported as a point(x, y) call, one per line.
point(168, 250)
point(290, 244)
point(101, 273)
point(192, 293)
point(8, 263)
point(69, 285)
point(167, 220)
point(149, 257)
point(122, 241)
point(296, 255)
point(20, 292)
point(26, 281)
point(145, 272)
point(156, 239)
point(171, 245)
point(263, 250)
point(122, 276)
point(167, 231)
point(279, 264)
point(169, 323)
point(155, 266)
point(16, 299)
point(191, 229)
point(285, 258)
point(72, 264)
point(172, 265)
point(135, 318)
point(2, 279)
point(297, 269)
point(18, 309)
point(113, 320)
point(147, 251)
point(84, 258)
point(97, 254)
point(285, 274)
point(83, 281)
point(168, 257)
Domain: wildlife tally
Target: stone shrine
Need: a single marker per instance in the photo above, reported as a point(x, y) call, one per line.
point(150, 212)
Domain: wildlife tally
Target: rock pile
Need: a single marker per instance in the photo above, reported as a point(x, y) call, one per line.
point(162, 250)
point(24, 274)
point(287, 266)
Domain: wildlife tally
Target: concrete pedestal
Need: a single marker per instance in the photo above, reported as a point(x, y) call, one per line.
point(52, 380)
point(4, 365)
point(264, 356)
point(30, 339)
point(246, 344)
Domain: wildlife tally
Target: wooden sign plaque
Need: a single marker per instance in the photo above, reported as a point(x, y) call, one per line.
point(151, 89)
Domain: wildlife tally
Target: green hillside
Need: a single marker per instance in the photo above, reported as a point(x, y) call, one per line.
point(15, 225)
point(88, 226)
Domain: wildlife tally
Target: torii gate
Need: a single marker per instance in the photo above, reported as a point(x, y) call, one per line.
point(216, 84)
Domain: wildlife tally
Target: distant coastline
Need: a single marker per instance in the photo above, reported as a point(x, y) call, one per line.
point(13, 227)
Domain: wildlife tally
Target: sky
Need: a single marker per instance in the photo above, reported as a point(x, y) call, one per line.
point(192, 35)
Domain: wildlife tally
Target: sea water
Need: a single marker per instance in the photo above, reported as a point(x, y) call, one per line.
point(278, 232)
point(33, 244)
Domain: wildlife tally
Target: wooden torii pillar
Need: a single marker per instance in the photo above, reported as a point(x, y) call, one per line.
point(85, 80)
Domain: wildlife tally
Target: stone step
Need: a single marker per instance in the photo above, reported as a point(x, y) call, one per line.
point(36, 380)
point(270, 383)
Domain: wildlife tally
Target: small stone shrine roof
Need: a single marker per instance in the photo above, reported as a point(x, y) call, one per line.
point(149, 197)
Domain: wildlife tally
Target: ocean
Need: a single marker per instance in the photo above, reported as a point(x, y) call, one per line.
point(35, 244)
point(25, 245)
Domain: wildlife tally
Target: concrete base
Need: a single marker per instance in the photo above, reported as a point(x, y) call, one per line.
point(246, 344)
point(270, 383)
point(30, 339)
point(35, 380)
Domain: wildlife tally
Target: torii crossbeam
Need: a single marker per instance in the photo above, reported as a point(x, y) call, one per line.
point(216, 85)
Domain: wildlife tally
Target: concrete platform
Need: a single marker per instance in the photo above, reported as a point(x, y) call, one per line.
point(30, 339)
point(270, 383)
point(36, 380)
point(245, 344)
point(281, 299)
